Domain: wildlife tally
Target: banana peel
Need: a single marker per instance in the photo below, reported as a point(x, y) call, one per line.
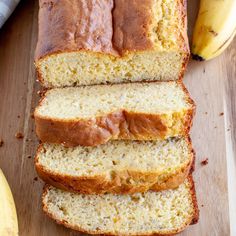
point(214, 29)
point(8, 216)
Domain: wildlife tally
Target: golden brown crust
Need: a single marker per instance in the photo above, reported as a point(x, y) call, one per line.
point(184, 36)
point(192, 220)
point(112, 27)
point(119, 182)
point(121, 124)
point(117, 185)
point(117, 125)
point(194, 200)
point(104, 26)
point(130, 25)
point(72, 25)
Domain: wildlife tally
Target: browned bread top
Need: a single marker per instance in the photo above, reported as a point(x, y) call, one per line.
point(111, 26)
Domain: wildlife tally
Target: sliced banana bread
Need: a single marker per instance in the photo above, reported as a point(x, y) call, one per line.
point(92, 115)
point(110, 41)
point(116, 167)
point(151, 213)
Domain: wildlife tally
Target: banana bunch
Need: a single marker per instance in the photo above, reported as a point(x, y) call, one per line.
point(215, 28)
point(8, 216)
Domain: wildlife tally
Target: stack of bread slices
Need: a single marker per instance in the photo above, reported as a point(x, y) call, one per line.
point(114, 123)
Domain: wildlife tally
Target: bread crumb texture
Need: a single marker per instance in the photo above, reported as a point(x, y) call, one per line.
point(94, 101)
point(146, 156)
point(164, 212)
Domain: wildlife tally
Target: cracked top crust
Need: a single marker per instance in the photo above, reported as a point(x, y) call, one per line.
point(115, 27)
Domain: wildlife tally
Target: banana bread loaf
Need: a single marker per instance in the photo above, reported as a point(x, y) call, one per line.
point(84, 42)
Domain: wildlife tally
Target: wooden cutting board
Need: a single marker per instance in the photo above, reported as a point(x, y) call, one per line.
point(210, 84)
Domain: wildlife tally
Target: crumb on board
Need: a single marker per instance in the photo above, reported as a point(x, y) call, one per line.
point(204, 162)
point(18, 116)
point(41, 93)
point(228, 129)
point(32, 115)
point(221, 114)
point(1, 142)
point(215, 127)
point(19, 135)
point(29, 156)
point(35, 178)
point(202, 205)
point(206, 113)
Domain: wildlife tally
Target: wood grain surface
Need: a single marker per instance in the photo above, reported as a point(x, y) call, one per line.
point(211, 85)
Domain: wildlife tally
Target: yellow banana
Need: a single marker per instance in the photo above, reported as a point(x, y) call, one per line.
point(8, 216)
point(215, 28)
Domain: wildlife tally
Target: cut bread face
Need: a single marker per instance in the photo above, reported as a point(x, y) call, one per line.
point(86, 68)
point(151, 213)
point(93, 101)
point(116, 167)
point(92, 115)
point(104, 43)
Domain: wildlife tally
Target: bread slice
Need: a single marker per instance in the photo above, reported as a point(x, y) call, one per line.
point(92, 115)
point(151, 213)
point(116, 167)
point(107, 41)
